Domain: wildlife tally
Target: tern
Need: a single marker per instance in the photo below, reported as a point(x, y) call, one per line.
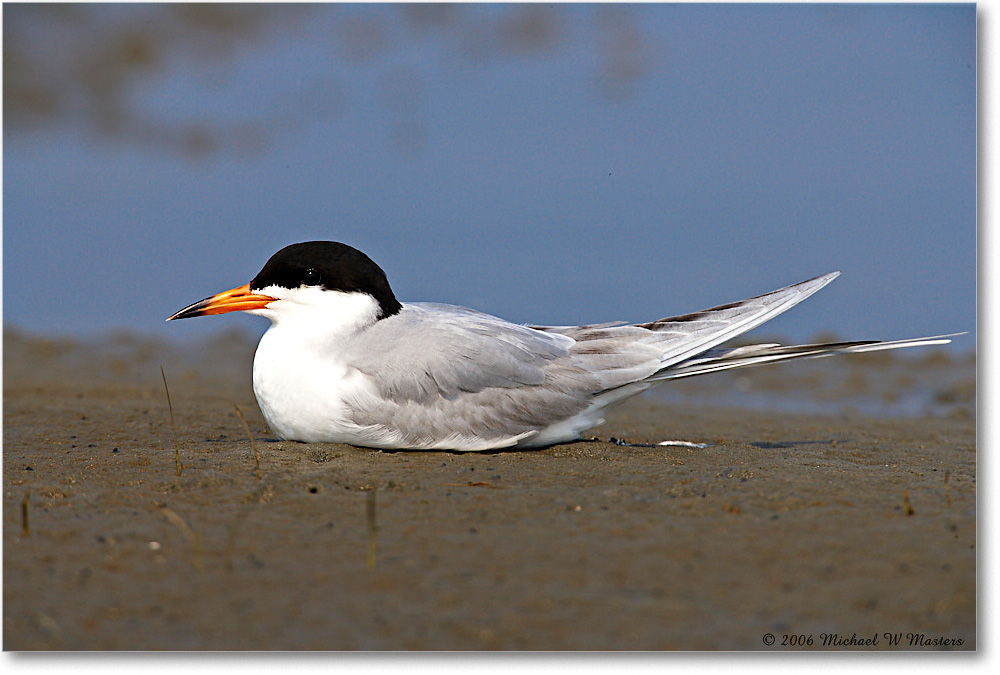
point(345, 362)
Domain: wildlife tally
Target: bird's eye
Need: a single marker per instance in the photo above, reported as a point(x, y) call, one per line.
point(311, 277)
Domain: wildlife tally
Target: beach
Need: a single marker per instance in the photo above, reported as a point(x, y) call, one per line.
point(788, 531)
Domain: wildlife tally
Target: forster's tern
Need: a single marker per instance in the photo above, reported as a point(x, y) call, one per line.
point(345, 362)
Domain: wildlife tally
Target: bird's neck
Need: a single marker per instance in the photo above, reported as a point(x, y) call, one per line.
point(321, 319)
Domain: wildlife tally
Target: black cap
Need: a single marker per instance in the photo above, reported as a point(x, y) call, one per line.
point(332, 266)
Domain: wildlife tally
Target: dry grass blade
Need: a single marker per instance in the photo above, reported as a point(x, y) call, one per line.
point(25, 527)
point(253, 444)
point(186, 530)
point(170, 406)
point(371, 513)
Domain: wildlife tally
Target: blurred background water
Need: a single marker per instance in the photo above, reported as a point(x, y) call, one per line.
point(546, 163)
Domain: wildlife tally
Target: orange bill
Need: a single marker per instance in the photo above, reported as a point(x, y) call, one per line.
point(236, 300)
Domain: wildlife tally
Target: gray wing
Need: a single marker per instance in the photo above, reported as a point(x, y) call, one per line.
point(451, 373)
point(430, 350)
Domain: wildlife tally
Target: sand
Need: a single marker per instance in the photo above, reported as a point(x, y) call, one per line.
point(790, 532)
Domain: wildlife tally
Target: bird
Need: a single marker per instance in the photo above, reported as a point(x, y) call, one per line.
point(345, 362)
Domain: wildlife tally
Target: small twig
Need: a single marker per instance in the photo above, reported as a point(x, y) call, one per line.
point(253, 445)
point(907, 509)
point(947, 489)
point(371, 513)
point(177, 447)
point(25, 527)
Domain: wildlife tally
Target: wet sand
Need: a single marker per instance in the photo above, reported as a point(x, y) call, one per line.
point(789, 525)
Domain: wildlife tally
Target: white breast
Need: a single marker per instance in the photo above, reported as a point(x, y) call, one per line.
point(303, 385)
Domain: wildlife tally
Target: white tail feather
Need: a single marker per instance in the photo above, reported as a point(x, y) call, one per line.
point(752, 355)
